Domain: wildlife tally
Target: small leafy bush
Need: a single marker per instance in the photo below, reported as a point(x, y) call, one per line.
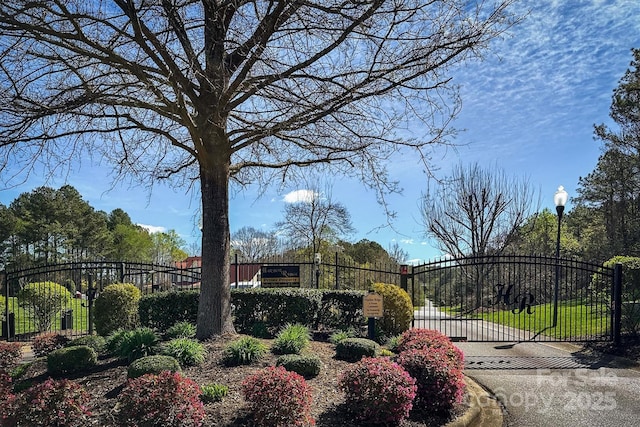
point(306, 365)
point(45, 343)
point(244, 351)
point(138, 343)
point(292, 339)
point(278, 398)
point(71, 359)
point(167, 399)
point(336, 337)
point(152, 365)
point(10, 355)
point(398, 309)
point(52, 403)
point(187, 351)
point(354, 349)
point(440, 385)
point(96, 342)
point(213, 392)
point(418, 339)
point(182, 329)
point(378, 391)
point(116, 307)
point(114, 341)
point(45, 300)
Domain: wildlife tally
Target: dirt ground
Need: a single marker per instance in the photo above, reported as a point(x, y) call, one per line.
point(107, 379)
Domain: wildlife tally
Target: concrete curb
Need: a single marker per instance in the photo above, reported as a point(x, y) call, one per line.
point(484, 409)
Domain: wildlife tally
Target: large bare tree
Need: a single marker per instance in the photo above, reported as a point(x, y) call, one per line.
point(477, 211)
point(207, 91)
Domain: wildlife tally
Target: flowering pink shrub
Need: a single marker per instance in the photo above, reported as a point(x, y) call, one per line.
point(166, 399)
point(51, 403)
point(45, 343)
point(278, 398)
point(10, 355)
point(417, 339)
point(440, 385)
point(378, 391)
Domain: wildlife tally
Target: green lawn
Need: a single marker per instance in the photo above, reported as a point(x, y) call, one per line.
point(25, 324)
point(576, 320)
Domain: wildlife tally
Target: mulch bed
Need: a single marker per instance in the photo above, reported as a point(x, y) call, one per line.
point(108, 378)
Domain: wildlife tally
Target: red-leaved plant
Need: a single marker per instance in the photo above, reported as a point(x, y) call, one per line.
point(419, 339)
point(10, 355)
point(440, 385)
point(167, 399)
point(278, 398)
point(45, 343)
point(8, 400)
point(50, 403)
point(378, 391)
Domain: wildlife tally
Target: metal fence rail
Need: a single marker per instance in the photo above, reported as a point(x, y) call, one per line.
point(517, 298)
point(82, 281)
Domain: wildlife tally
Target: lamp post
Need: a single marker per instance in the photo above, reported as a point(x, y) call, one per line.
point(560, 199)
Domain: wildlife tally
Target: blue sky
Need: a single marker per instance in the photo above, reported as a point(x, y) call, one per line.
point(528, 108)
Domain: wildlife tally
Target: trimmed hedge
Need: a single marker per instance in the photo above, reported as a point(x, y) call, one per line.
point(162, 310)
point(269, 308)
point(71, 359)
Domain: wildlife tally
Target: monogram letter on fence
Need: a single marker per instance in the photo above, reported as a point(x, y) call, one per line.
point(522, 301)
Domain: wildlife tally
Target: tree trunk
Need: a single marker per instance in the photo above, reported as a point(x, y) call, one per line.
point(214, 310)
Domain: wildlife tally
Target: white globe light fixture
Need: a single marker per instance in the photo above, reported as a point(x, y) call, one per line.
point(560, 200)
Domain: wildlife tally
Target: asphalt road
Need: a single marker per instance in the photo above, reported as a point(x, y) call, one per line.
point(543, 383)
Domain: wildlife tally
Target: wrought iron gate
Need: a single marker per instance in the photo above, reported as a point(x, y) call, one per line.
point(78, 283)
point(518, 298)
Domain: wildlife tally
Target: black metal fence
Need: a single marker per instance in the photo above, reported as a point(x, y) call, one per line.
point(518, 298)
point(507, 298)
point(59, 297)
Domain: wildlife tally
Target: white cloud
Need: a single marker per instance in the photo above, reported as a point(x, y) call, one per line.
point(153, 228)
point(296, 196)
point(407, 241)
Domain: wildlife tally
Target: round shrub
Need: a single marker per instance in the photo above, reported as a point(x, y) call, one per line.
point(116, 307)
point(354, 349)
point(292, 339)
point(44, 300)
point(378, 391)
point(52, 403)
point(96, 342)
point(187, 351)
point(71, 359)
point(152, 365)
point(440, 386)
point(397, 309)
point(418, 339)
point(167, 399)
point(278, 398)
point(306, 365)
point(45, 343)
point(181, 330)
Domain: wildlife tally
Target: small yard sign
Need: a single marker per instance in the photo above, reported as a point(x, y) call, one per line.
point(372, 305)
point(280, 276)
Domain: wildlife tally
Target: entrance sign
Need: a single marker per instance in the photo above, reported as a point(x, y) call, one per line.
point(280, 276)
point(372, 305)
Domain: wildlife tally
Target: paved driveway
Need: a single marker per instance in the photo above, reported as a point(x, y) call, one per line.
point(551, 384)
point(544, 384)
